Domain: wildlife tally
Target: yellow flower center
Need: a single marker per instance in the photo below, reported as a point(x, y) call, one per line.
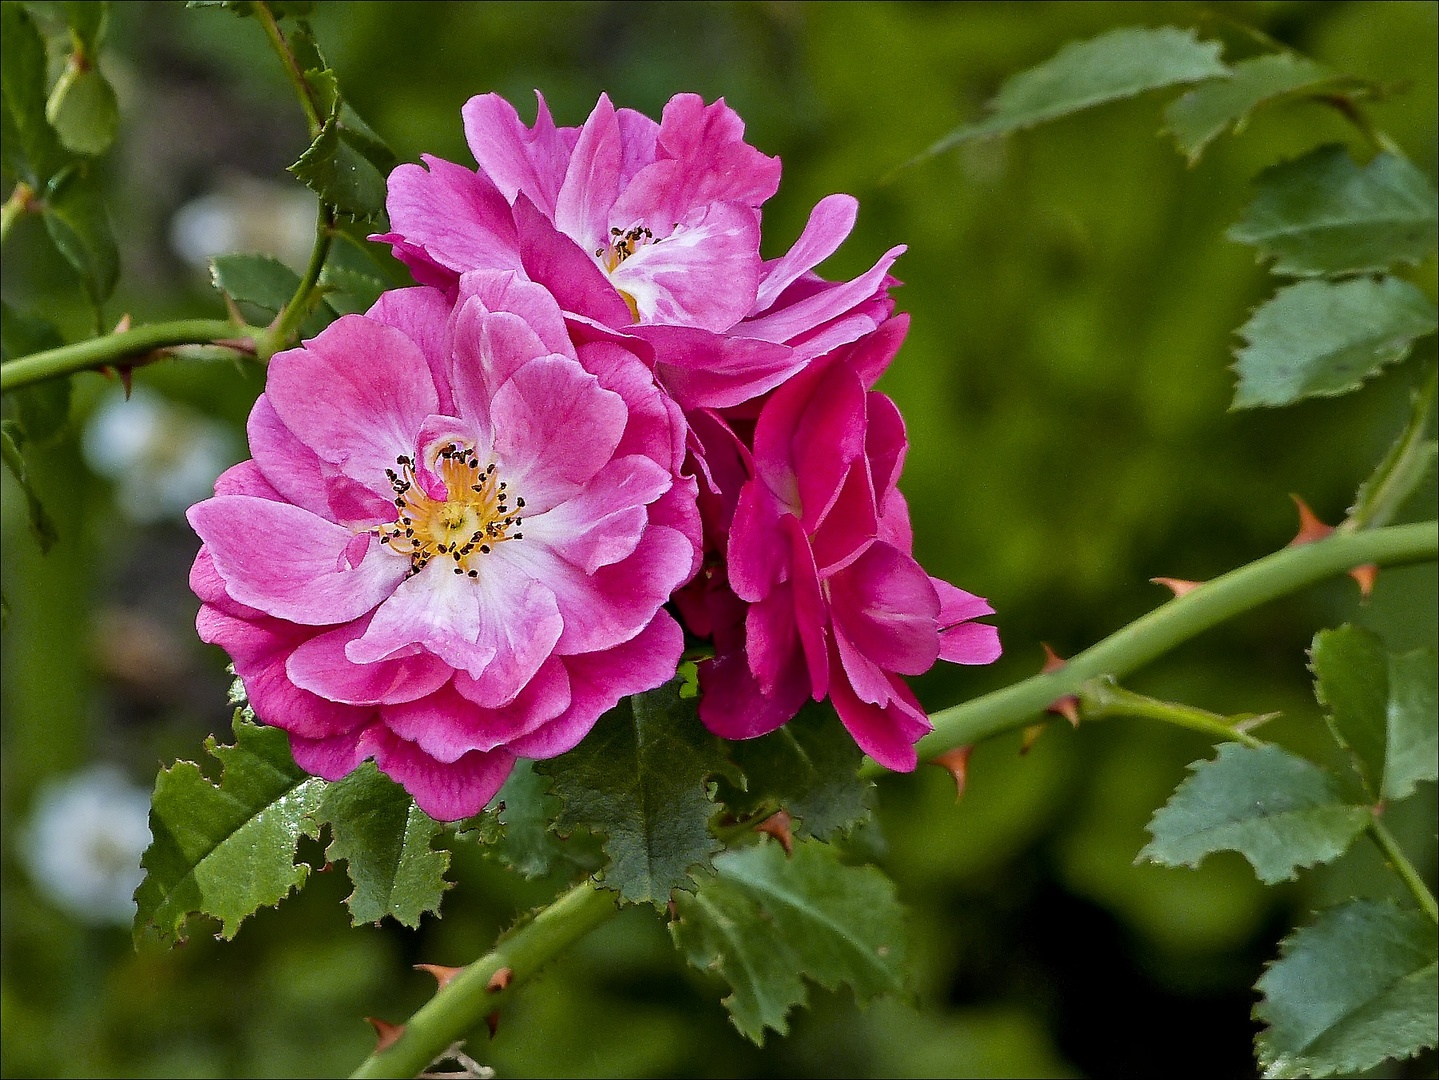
point(477, 514)
point(622, 244)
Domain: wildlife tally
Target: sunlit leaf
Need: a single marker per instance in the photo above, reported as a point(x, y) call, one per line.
point(30, 148)
point(74, 215)
point(1357, 987)
point(808, 768)
point(43, 529)
point(1322, 214)
point(1412, 752)
point(385, 840)
point(1322, 338)
point(227, 849)
point(641, 778)
point(1113, 66)
point(1351, 680)
point(1201, 115)
point(1279, 811)
point(767, 923)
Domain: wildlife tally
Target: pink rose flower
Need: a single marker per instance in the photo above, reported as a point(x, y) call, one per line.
point(818, 593)
point(453, 542)
point(649, 228)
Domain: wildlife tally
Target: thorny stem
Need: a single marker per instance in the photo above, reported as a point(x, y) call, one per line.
point(115, 350)
point(287, 323)
point(1381, 835)
point(1101, 698)
point(460, 1004)
point(297, 78)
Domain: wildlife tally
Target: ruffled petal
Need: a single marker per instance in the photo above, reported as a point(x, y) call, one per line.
point(459, 219)
point(829, 223)
point(321, 666)
point(518, 159)
point(447, 791)
point(886, 605)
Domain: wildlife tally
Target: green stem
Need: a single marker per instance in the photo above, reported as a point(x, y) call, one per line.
point(1381, 835)
point(1172, 624)
point(114, 349)
point(1403, 467)
point(458, 1005)
point(287, 324)
point(17, 204)
point(1103, 697)
point(297, 78)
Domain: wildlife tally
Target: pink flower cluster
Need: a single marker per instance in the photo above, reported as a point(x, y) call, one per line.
point(469, 508)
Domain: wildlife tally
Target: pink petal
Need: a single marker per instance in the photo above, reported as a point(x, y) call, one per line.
point(603, 523)
point(732, 703)
point(447, 725)
point(209, 586)
point(701, 369)
point(489, 347)
point(287, 562)
point(516, 158)
point(510, 291)
point(829, 223)
point(422, 315)
point(871, 354)
point(849, 525)
point(582, 209)
point(962, 641)
point(555, 428)
point(886, 606)
point(321, 666)
point(447, 791)
point(564, 268)
point(758, 558)
point(885, 441)
point(785, 323)
point(335, 757)
point(356, 394)
point(258, 649)
point(887, 733)
point(811, 610)
point(599, 680)
point(703, 274)
point(771, 638)
point(457, 218)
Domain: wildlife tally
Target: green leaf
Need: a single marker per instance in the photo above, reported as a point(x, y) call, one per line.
point(87, 21)
point(268, 284)
point(641, 779)
point(1322, 338)
point(1200, 116)
point(1351, 680)
point(528, 844)
point(1277, 810)
point(84, 111)
point(1405, 465)
point(28, 144)
point(385, 840)
point(766, 923)
point(226, 849)
point(1358, 986)
point(43, 529)
point(808, 768)
point(340, 174)
point(1111, 67)
point(1412, 716)
point(75, 218)
point(1321, 214)
point(244, 8)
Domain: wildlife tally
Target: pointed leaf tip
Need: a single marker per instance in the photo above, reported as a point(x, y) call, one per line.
point(778, 826)
point(956, 763)
point(386, 1033)
point(1178, 586)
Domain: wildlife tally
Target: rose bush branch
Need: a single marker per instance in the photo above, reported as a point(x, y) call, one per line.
point(463, 1001)
point(130, 347)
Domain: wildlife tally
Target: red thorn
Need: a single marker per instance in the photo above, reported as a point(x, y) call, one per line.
point(1178, 586)
point(442, 974)
point(122, 325)
point(493, 1022)
point(1310, 527)
point(777, 825)
point(385, 1032)
point(1365, 575)
point(956, 762)
point(1052, 660)
point(671, 911)
point(127, 380)
point(1066, 706)
point(499, 980)
point(1031, 735)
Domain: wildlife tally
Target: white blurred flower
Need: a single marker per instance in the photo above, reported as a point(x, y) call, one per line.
point(83, 843)
point(164, 457)
point(244, 214)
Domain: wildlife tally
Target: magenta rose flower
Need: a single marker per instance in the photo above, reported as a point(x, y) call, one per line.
point(649, 228)
point(452, 544)
point(818, 593)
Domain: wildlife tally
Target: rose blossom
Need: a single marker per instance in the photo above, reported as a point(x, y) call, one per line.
point(819, 593)
point(453, 542)
point(649, 228)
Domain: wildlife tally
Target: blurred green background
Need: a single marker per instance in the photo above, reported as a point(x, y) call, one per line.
point(1065, 384)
